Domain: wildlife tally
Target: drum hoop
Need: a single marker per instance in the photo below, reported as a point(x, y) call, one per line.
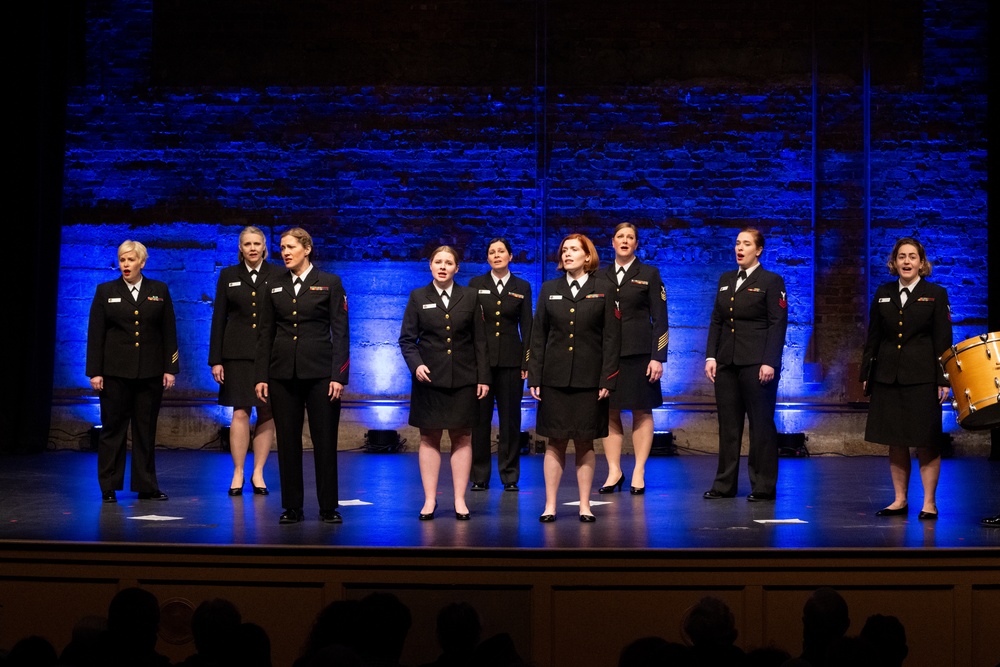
point(976, 341)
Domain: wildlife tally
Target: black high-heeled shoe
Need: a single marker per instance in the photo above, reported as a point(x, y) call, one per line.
point(617, 486)
point(430, 515)
point(237, 490)
point(637, 490)
point(259, 490)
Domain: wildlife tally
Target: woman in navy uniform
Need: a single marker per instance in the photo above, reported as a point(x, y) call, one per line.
point(746, 337)
point(642, 302)
point(443, 342)
point(909, 327)
point(573, 366)
point(506, 303)
point(302, 364)
point(131, 359)
point(233, 342)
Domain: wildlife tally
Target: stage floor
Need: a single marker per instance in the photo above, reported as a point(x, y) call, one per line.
point(823, 503)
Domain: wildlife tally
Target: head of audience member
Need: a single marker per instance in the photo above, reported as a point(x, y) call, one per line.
point(251, 647)
point(710, 623)
point(339, 623)
point(213, 625)
point(134, 619)
point(388, 624)
point(83, 649)
point(458, 628)
point(824, 620)
point(31, 651)
point(496, 651)
point(655, 652)
point(887, 639)
point(767, 656)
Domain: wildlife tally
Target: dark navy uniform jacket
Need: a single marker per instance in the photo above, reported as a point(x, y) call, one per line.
point(305, 336)
point(128, 338)
point(907, 340)
point(508, 318)
point(575, 341)
point(236, 312)
point(748, 325)
point(642, 300)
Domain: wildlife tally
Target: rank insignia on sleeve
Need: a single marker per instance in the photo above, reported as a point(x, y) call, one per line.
point(663, 293)
point(783, 302)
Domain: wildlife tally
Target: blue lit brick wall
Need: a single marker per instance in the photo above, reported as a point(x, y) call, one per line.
point(381, 173)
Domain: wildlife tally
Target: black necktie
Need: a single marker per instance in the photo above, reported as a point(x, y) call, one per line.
point(740, 278)
point(444, 298)
point(574, 287)
point(253, 275)
point(135, 293)
point(621, 274)
point(743, 275)
point(499, 287)
point(904, 295)
point(298, 284)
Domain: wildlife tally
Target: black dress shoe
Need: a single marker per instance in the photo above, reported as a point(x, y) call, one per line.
point(429, 516)
point(462, 516)
point(712, 494)
point(637, 490)
point(291, 516)
point(331, 516)
point(480, 487)
point(153, 495)
point(760, 497)
point(899, 511)
point(512, 488)
point(927, 516)
point(547, 518)
point(991, 521)
point(587, 518)
point(109, 497)
point(260, 490)
point(617, 486)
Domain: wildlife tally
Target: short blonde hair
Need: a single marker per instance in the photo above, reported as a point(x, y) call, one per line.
point(133, 246)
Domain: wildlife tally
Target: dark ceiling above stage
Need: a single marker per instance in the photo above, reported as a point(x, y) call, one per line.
point(259, 43)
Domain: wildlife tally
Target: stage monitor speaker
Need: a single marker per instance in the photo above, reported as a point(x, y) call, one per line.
point(792, 445)
point(382, 441)
point(663, 444)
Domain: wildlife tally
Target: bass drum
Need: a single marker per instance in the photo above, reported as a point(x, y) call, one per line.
point(973, 368)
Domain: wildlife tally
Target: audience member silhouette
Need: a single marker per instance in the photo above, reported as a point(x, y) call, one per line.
point(213, 627)
point(83, 649)
point(711, 629)
point(887, 639)
point(849, 652)
point(655, 652)
point(31, 651)
point(458, 629)
point(340, 623)
point(497, 651)
point(386, 625)
point(767, 656)
point(133, 624)
point(251, 647)
point(824, 621)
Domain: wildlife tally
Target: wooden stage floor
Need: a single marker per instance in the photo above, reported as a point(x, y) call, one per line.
point(633, 573)
point(823, 503)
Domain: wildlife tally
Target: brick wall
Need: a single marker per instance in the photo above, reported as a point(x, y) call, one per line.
point(388, 132)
